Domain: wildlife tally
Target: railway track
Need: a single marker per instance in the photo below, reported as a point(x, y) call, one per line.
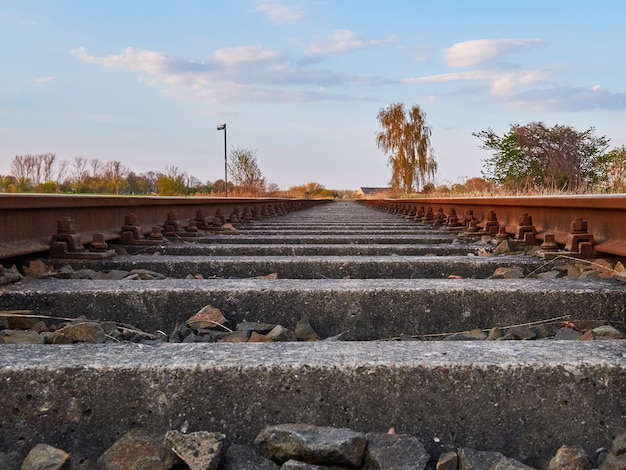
point(369, 274)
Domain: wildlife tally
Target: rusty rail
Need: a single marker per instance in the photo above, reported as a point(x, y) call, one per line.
point(28, 221)
point(605, 215)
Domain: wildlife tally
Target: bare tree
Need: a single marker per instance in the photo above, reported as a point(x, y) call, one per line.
point(19, 168)
point(96, 167)
point(114, 174)
point(62, 170)
point(48, 161)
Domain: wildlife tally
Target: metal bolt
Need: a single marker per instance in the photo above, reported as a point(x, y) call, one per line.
point(97, 243)
point(525, 220)
point(578, 225)
point(131, 219)
point(156, 233)
point(65, 225)
point(549, 243)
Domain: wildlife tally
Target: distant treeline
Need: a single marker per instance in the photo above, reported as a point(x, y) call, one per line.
point(45, 173)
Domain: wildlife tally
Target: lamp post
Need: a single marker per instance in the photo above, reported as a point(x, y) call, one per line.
point(222, 127)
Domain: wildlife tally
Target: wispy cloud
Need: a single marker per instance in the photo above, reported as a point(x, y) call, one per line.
point(569, 99)
point(244, 73)
point(280, 13)
point(500, 82)
point(344, 40)
point(515, 85)
point(480, 51)
point(44, 79)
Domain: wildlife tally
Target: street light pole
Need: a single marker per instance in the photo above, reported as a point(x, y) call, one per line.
point(222, 127)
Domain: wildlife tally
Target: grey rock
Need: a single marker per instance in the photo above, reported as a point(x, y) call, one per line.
point(20, 337)
point(618, 445)
point(608, 332)
point(312, 444)
point(554, 274)
point(193, 338)
point(10, 460)
point(112, 275)
point(505, 247)
point(262, 328)
point(463, 336)
point(305, 332)
point(297, 465)
point(86, 273)
point(181, 330)
point(138, 451)
point(589, 274)
point(20, 322)
point(448, 461)
point(570, 458)
point(567, 334)
point(132, 277)
point(508, 273)
point(494, 333)
point(45, 457)
point(64, 272)
point(243, 457)
point(146, 274)
point(614, 462)
point(522, 333)
point(394, 452)
point(471, 459)
point(200, 450)
point(234, 337)
point(280, 333)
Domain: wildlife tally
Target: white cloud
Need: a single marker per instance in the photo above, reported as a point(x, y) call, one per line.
point(479, 51)
point(244, 73)
point(242, 54)
point(569, 99)
point(132, 59)
point(449, 77)
point(500, 83)
point(280, 13)
point(344, 40)
point(44, 79)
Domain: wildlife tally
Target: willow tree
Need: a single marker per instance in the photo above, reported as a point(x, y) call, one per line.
point(406, 138)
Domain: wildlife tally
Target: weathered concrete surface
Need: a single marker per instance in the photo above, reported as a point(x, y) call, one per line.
point(319, 249)
point(356, 239)
point(363, 309)
point(316, 267)
point(524, 399)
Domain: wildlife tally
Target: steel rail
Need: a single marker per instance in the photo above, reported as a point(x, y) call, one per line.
point(605, 214)
point(28, 221)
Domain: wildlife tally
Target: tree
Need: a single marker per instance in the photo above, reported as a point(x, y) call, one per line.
point(114, 174)
point(611, 170)
point(407, 140)
point(172, 183)
point(218, 187)
point(245, 171)
point(535, 156)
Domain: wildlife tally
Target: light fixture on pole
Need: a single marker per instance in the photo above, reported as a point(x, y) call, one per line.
point(222, 127)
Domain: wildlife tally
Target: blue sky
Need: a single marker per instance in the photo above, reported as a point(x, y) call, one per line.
point(300, 81)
